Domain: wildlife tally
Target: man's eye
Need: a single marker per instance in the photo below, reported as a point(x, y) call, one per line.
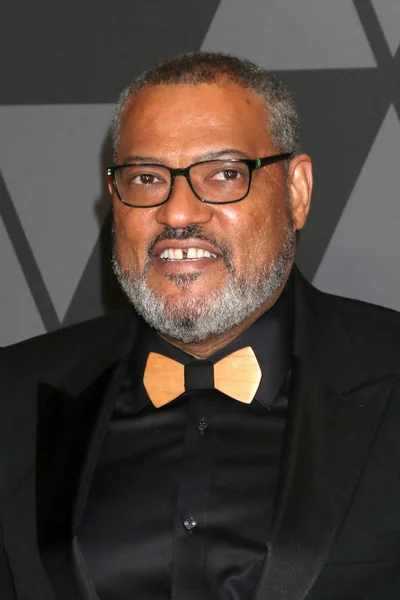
point(144, 179)
point(227, 175)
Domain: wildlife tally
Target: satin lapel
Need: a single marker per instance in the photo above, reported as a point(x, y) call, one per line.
point(329, 440)
point(72, 420)
point(70, 432)
point(335, 412)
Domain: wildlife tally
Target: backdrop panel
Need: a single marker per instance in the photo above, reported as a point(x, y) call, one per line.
point(64, 68)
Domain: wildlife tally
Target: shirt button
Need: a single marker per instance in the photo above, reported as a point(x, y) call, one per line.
point(190, 523)
point(202, 425)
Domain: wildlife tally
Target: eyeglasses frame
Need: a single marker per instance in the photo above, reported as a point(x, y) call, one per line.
point(252, 164)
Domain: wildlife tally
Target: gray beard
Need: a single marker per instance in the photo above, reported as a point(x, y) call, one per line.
point(191, 321)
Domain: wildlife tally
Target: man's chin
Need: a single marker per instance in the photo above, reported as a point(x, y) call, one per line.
point(189, 286)
point(182, 280)
point(186, 307)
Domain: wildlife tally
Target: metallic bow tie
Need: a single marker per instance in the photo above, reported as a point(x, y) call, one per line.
point(237, 375)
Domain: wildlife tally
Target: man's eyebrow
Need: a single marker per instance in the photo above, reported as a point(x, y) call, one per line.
point(141, 159)
point(225, 153)
point(211, 155)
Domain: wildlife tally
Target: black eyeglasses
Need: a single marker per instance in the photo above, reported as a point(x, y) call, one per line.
point(212, 181)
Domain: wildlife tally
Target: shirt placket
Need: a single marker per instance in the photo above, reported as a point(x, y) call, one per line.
point(190, 523)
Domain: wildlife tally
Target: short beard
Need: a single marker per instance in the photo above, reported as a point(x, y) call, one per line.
point(193, 320)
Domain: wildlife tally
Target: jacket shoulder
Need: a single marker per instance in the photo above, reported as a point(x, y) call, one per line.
point(373, 330)
point(63, 346)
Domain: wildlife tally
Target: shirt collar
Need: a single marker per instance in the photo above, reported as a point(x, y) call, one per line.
point(270, 337)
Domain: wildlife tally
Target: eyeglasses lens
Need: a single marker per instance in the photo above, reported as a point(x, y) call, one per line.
point(214, 181)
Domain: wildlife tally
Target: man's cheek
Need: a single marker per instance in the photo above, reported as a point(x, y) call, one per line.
point(126, 253)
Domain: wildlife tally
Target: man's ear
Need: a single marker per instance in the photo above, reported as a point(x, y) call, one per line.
point(300, 188)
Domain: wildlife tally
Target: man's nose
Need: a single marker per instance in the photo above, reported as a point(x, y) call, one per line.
point(183, 207)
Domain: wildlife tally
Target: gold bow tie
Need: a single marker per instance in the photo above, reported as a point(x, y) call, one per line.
point(237, 375)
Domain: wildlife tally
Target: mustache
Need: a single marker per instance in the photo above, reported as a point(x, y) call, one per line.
point(193, 231)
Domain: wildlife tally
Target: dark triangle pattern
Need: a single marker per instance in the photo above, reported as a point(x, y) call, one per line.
point(342, 112)
point(82, 55)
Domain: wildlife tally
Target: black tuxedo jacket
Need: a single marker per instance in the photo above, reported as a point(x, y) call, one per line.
point(336, 529)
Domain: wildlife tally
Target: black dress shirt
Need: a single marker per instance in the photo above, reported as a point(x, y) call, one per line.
point(182, 497)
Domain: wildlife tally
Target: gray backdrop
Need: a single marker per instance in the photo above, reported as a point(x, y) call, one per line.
point(63, 67)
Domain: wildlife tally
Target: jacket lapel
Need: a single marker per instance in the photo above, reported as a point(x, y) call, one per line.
point(328, 443)
point(72, 420)
point(334, 415)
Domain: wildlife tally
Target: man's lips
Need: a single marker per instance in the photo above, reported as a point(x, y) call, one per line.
point(185, 250)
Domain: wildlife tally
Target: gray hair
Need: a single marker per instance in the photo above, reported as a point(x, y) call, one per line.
point(210, 67)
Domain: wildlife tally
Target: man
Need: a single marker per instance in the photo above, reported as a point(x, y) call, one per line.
point(240, 439)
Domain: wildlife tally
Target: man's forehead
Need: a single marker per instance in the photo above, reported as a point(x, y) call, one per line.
point(224, 94)
point(224, 114)
point(180, 124)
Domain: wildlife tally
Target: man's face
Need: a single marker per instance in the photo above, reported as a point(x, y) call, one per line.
point(177, 125)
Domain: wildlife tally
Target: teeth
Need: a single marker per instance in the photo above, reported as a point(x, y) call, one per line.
point(189, 254)
point(178, 254)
